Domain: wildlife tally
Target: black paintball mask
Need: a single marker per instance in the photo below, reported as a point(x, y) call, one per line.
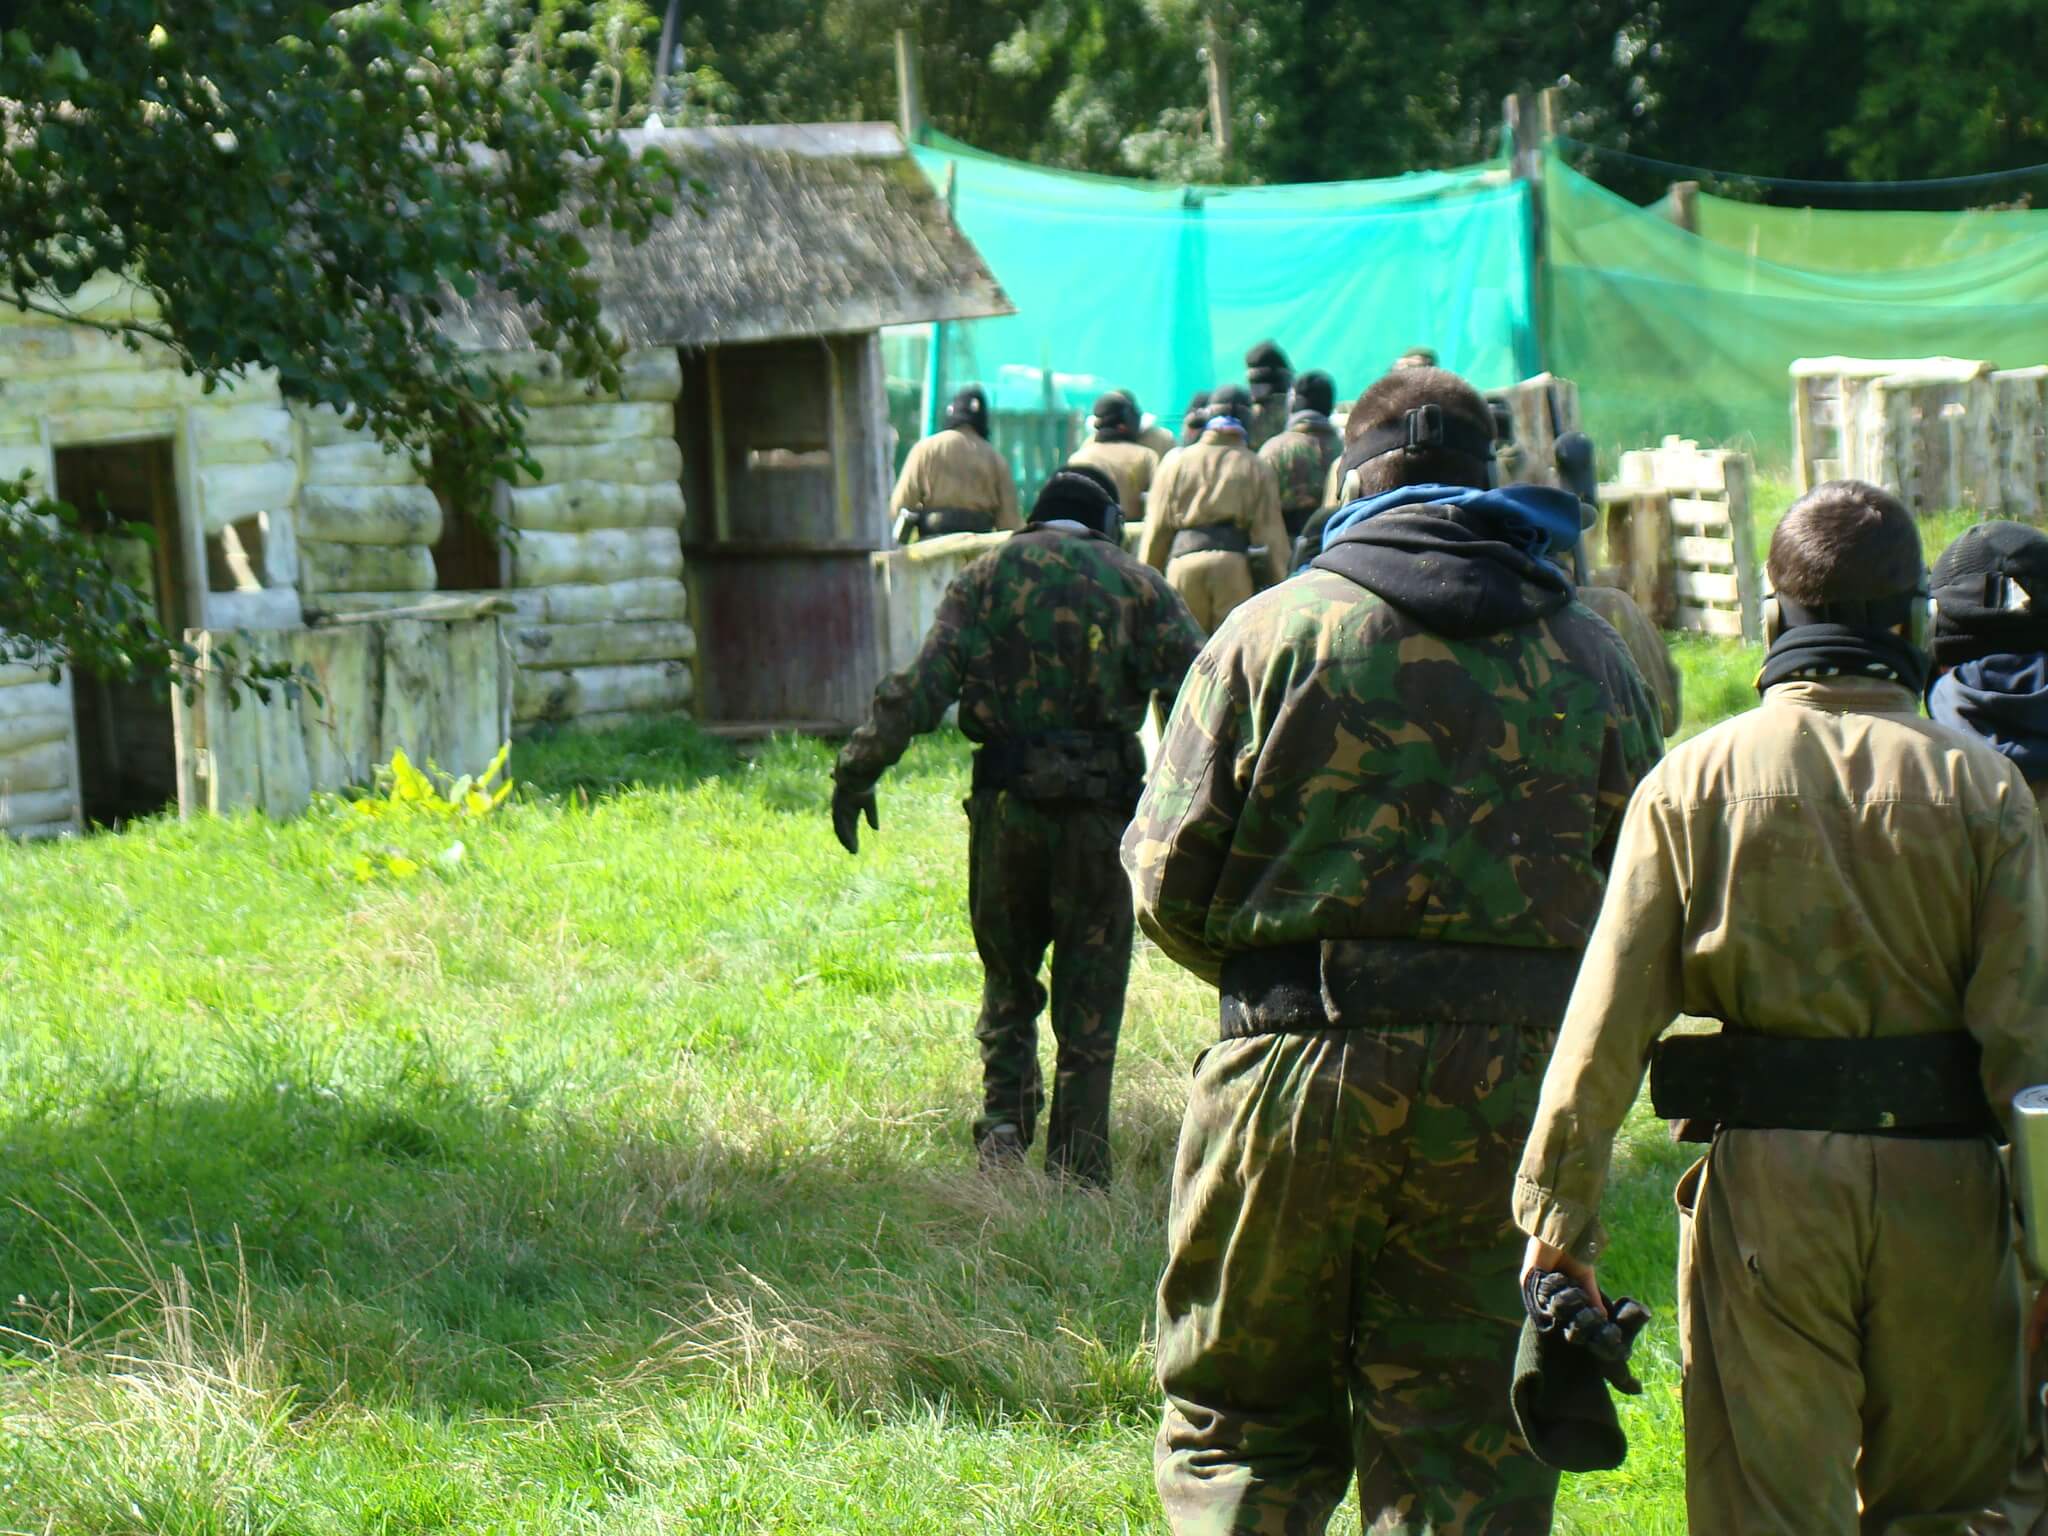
point(1081, 493)
point(1313, 391)
point(1425, 429)
point(1116, 417)
point(969, 409)
point(1907, 613)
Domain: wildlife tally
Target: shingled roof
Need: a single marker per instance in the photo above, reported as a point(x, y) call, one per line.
point(803, 231)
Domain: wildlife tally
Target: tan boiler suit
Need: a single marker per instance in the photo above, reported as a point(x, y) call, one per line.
point(1217, 482)
point(1158, 439)
point(960, 470)
point(2022, 1509)
point(1828, 865)
point(1131, 465)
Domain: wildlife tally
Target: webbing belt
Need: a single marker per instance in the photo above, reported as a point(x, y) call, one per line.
point(1900, 1085)
point(1224, 538)
point(1391, 984)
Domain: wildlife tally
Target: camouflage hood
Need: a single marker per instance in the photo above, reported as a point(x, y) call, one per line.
point(1463, 563)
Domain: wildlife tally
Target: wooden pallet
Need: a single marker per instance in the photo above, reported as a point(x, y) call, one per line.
point(1678, 528)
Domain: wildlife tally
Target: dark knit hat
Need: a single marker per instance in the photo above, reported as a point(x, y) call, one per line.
point(1079, 492)
point(1231, 400)
point(1115, 415)
point(1990, 590)
point(1267, 370)
point(969, 409)
point(1315, 391)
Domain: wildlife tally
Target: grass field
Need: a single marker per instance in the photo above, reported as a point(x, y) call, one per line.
point(612, 1176)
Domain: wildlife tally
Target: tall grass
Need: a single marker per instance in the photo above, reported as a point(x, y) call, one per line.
point(614, 1176)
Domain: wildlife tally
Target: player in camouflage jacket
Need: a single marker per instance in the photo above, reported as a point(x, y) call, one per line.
point(1379, 820)
point(1053, 646)
point(1301, 455)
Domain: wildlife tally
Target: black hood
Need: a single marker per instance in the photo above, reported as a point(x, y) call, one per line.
point(1452, 571)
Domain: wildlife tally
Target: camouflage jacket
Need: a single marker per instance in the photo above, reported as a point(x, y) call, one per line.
point(1056, 630)
point(1334, 770)
point(1828, 865)
point(1301, 458)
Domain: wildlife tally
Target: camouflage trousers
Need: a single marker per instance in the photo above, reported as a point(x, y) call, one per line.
point(1045, 876)
point(1341, 1285)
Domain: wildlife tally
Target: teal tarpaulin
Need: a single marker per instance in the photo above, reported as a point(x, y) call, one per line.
point(1160, 289)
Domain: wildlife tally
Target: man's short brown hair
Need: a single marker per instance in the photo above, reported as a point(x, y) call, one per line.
point(1388, 403)
point(1845, 541)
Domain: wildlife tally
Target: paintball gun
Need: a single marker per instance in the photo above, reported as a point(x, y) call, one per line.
point(1578, 473)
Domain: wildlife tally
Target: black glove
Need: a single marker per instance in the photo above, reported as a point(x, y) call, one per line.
point(848, 806)
point(1560, 1308)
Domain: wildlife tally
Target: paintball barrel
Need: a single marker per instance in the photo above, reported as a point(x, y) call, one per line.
point(2030, 1171)
point(1579, 471)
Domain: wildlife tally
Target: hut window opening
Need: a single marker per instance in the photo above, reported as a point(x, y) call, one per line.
point(127, 753)
point(234, 557)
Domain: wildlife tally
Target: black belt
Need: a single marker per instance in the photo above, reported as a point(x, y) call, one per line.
point(1901, 1085)
point(1104, 766)
point(932, 522)
point(1225, 538)
point(1393, 984)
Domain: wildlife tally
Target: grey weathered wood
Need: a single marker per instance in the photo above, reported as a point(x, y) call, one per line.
point(568, 694)
point(581, 505)
point(358, 462)
point(38, 806)
point(600, 422)
point(637, 461)
point(369, 514)
point(40, 767)
point(454, 605)
point(645, 597)
point(328, 567)
point(602, 644)
point(606, 555)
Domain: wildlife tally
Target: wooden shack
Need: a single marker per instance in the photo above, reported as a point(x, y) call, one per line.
point(698, 541)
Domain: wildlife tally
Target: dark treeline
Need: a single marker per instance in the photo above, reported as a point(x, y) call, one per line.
point(1791, 88)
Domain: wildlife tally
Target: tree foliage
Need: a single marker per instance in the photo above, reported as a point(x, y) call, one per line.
point(296, 185)
point(1798, 88)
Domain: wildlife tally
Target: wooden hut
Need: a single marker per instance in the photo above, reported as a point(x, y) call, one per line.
point(700, 541)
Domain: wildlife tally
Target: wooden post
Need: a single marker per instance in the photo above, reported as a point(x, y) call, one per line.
point(1530, 121)
point(1682, 206)
point(1216, 49)
point(721, 510)
point(909, 88)
point(935, 356)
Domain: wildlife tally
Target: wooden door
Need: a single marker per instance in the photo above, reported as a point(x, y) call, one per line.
point(777, 439)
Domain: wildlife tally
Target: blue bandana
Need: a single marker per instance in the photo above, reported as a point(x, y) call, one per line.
point(1535, 518)
point(1225, 424)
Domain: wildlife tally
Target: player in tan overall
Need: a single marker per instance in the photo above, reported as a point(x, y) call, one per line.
point(1858, 895)
point(1212, 504)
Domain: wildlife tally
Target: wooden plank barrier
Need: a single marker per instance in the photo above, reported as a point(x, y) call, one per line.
point(1937, 432)
point(1678, 539)
point(1543, 409)
point(437, 687)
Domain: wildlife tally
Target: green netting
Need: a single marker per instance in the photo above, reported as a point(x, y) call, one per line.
point(1159, 289)
point(1832, 240)
point(1667, 331)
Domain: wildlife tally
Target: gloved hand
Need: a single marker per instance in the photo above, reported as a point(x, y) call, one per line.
point(1557, 1306)
point(848, 806)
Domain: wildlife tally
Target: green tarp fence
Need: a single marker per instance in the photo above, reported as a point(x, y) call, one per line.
point(1668, 331)
point(1160, 289)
